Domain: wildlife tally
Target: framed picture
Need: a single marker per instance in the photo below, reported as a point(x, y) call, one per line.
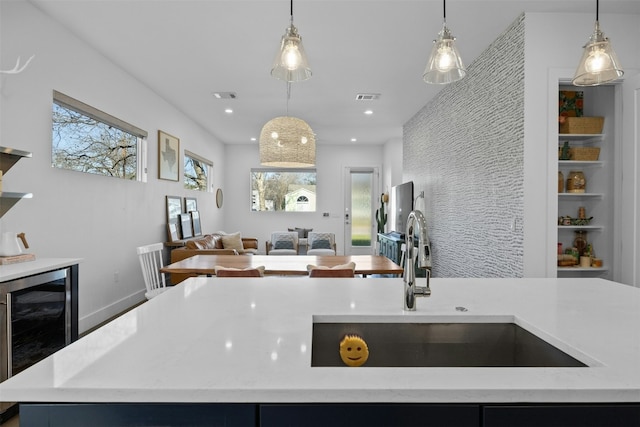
point(190, 204)
point(185, 225)
point(195, 221)
point(168, 156)
point(172, 232)
point(174, 208)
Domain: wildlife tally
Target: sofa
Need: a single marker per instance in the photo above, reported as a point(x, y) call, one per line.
point(213, 244)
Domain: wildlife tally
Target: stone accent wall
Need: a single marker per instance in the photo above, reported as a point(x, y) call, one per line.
point(465, 151)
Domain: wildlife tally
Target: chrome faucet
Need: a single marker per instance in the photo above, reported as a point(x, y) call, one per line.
point(417, 221)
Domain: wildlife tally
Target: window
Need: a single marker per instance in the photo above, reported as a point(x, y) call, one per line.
point(197, 172)
point(284, 190)
point(86, 139)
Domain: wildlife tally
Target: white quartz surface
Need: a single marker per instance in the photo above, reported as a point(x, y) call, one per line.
point(249, 340)
point(22, 269)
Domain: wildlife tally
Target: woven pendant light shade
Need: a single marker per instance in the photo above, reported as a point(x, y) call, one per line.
point(287, 142)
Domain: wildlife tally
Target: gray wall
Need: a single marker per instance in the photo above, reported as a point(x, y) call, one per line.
point(465, 151)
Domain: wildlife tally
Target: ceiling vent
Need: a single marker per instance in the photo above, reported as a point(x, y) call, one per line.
point(367, 96)
point(225, 95)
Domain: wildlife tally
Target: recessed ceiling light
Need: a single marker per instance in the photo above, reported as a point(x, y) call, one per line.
point(225, 95)
point(368, 112)
point(367, 96)
point(253, 139)
point(353, 139)
point(228, 110)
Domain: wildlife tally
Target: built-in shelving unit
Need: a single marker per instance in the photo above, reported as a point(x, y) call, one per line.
point(598, 200)
point(8, 158)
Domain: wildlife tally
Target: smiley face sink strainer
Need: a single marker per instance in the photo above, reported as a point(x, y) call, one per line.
point(353, 350)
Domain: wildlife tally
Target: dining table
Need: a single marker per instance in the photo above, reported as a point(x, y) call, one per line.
point(283, 265)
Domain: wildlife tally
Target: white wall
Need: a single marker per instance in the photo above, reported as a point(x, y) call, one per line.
point(101, 220)
point(549, 54)
point(392, 168)
point(330, 163)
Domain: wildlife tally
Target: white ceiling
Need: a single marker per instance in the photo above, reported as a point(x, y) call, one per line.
point(185, 50)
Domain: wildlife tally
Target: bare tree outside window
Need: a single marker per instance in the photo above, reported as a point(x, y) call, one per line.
point(197, 171)
point(87, 140)
point(283, 190)
point(195, 174)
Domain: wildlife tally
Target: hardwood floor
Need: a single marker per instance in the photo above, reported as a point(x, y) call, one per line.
point(12, 422)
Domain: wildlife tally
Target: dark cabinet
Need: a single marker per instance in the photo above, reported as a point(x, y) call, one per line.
point(368, 415)
point(562, 415)
point(391, 247)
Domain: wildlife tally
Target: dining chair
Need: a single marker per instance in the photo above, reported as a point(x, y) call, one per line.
point(150, 257)
point(321, 272)
point(239, 272)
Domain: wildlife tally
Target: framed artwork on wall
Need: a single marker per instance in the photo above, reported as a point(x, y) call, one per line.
point(195, 221)
point(190, 204)
point(172, 231)
point(185, 225)
point(174, 208)
point(168, 156)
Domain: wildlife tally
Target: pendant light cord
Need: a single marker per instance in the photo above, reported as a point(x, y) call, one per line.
point(291, 11)
point(597, 9)
point(444, 10)
point(288, 96)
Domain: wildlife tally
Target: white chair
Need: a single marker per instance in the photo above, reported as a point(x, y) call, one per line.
point(321, 243)
point(151, 262)
point(283, 243)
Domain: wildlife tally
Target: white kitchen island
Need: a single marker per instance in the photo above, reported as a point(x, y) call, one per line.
point(243, 347)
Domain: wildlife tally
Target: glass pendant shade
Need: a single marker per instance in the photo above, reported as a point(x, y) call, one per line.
point(599, 63)
point(445, 64)
point(287, 142)
point(291, 63)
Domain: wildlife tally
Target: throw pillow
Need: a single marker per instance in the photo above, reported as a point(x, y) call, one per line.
point(259, 268)
point(321, 244)
point(350, 265)
point(283, 244)
point(233, 241)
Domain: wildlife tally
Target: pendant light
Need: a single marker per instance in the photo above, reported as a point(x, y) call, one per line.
point(287, 141)
point(599, 63)
point(291, 63)
point(445, 65)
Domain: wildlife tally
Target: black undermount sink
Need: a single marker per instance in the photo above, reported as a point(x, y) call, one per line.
point(439, 345)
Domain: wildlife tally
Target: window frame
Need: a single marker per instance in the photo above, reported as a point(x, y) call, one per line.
point(282, 170)
point(87, 110)
point(203, 160)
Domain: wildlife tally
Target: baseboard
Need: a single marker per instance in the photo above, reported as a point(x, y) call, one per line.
point(109, 312)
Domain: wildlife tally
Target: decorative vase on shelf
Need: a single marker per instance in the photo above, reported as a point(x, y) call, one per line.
point(580, 241)
point(576, 182)
point(565, 154)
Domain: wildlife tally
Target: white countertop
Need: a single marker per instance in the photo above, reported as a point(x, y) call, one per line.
point(249, 340)
point(39, 265)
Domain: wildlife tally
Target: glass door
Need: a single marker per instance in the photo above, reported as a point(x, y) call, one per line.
point(360, 189)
